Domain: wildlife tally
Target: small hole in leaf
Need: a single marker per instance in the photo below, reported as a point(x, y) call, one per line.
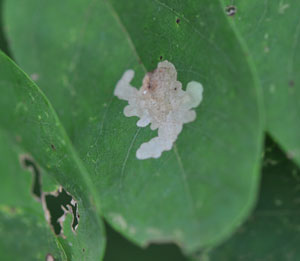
point(59, 204)
point(231, 10)
point(28, 163)
point(75, 217)
point(56, 204)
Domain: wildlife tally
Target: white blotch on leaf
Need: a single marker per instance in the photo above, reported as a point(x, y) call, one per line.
point(282, 7)
point(161, 102)
point(118, 220)
point(154, 231)
point(34, 76)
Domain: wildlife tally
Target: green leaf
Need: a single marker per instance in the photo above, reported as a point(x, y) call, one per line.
point(24, 232)
point(200, 191)
point(271, 30)
point(28, 118)
point(272, 231)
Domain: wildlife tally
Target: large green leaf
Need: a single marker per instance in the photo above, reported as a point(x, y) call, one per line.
point(272, 231)
point(271, 30)
point(195, 194)
point(28, 118)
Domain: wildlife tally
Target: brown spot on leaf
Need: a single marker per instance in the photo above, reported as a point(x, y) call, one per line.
point(290, 155)
point(291, 83)
point(18, 138)
point(150, 82)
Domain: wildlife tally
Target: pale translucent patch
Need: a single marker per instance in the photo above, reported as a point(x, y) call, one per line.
point(178, 233)
point(161, 102)
point(49, 257)
point(132, 230)
point(282, 7)
point(154, 231)
point(34, 76)
point(119, 220)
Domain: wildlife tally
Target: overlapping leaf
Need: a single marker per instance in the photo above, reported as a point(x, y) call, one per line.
point(272, 231)
point(271, 30)
point(23, 229)
point(30, 121)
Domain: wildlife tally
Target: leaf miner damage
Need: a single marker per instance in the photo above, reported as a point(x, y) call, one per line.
point(161, 102)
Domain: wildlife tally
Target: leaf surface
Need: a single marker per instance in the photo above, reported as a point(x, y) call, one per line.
point(24, 233)
point(200, 191)
point(271, 30)
point(30, 122)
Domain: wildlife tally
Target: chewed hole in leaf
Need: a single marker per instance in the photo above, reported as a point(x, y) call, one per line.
point(75, 217)
point(57, 205)
point(28, 163)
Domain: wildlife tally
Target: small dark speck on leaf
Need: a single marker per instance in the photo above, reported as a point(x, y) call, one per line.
point(53, 147)
point(177, 21)
point(231, 10)
point(18, 138)
point(83, 250)
point(160, 58)
point(291, 83)
point(12, 210)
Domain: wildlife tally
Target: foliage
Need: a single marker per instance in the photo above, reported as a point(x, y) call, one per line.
point(57, 105)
